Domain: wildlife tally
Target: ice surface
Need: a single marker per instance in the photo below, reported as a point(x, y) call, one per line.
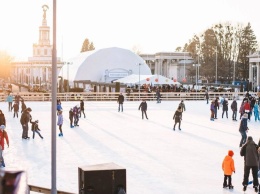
point(157, 159)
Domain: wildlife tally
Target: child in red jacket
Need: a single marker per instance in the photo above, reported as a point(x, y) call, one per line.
point(228, 167)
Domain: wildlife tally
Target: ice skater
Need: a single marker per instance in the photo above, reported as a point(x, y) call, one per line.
point(60, 122)
point(16, 109)
point(228, 166)
point(224, 107)
point(9, 99)
point(234, 109)
point(35, 128)
point(3, 136)
point(212, 110)
point(76, 115)
point(256, 112)
point(120, 101)
point(82, 108)
point(177, 117)
point(71, 115)
point(243, 129)
point(143, 107)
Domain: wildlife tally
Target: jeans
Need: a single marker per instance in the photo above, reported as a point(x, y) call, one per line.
point(144, 112)
point(119, 107)
point(216, 111)
point(234, 116)
point(243, 139)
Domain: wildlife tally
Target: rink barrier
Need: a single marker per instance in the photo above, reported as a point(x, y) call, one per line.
point(112, 96)
point(44, 190)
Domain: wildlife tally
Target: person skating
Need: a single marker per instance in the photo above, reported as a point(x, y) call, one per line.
point(3, 136)
point(177, 117)
point(9, 99)
point(2, 118)
point(158, 95)
point(23, 106)
point(17, 98)
point(143, 107)
point(76, 115)
point(256, 112)
point(82, 108)
point(120, 101)
point(207, 96)
point(243, 129)
point(247, 108)
point(212, 110)
point(16, 109)
point(228, 166)
point(71, 116)
point(35, 128)
point(182, 105)
point(251, 160)
point(60, 122)
point(234, 109)
point(216, 108)
point(25, 119)
point(224, 107)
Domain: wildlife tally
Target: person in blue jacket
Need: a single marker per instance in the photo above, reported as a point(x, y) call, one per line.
point(9, 99)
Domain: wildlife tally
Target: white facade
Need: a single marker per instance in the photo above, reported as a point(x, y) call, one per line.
point(173, 65)
point(37, 70)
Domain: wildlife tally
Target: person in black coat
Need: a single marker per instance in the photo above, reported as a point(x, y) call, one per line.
point(71, 116)
point(35, 128)
point(82, 108)
point(251, 158)
point(177, 117)
point(143, 107)
point(2, 118)
point(225, 107)
point(23, 106)
point(120, 101)
point(16, 109)
point(207, 96)
point(234, 109)
point(216, 106)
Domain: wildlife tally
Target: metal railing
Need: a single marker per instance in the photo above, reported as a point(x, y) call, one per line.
point(112, 96)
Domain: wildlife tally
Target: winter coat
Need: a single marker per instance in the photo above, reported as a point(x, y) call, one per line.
point(247, 107)
point(60, 119)
point(143, 106)
point(206, 95)
point(234, 105)
point(25, 118)
point(35, 126)
point(177, 116)
point(225, 105)
point(81, 105)
point(242, 108)
point(182, 105)
point(9, 98)
point(249, 151)
point(71, 114)
point(59, 107)
point(15, 107)
point(2, 119)
point(17, 98)
point(228, 165)
point(243, 125)
point(120, 99)
point(212, 107)
point(216, 105)
point(3, 135)
point(23, 106)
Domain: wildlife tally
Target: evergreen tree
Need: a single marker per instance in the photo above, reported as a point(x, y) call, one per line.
point(87, 46)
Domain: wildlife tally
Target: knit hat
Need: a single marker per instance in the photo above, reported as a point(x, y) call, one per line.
point(230, 153)
point(249, 138)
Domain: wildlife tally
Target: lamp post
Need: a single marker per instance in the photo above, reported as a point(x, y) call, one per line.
point(253, 75)
point(139, 80)
point(68, 84)
point(216, 80)
point(196, 66)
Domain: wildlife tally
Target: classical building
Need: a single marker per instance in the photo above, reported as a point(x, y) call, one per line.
point(254, 70)
point(37, 70)
point(174, 65)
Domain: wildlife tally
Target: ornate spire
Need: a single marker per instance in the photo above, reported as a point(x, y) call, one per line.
point(44, 8)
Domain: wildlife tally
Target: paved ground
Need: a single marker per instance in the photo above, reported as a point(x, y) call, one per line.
point(157, 159)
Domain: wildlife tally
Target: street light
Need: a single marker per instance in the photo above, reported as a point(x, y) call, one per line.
point(139, 64)
point(196, 66)
point(253, 80)
point(68, 84)
point(216, 79)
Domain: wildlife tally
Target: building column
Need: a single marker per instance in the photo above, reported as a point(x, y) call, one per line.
point(250, 78)
point(257, 75)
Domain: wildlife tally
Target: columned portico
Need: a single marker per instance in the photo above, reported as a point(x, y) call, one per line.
point(254, 70)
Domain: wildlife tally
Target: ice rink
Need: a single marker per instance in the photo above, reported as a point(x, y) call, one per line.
point(157, 159)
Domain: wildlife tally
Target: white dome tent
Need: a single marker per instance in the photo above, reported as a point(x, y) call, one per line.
point(104, 66)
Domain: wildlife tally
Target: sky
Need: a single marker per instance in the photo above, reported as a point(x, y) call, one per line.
point(150, 26)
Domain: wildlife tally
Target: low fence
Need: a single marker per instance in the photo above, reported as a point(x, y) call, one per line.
point(38, 189)
point(106, 96)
